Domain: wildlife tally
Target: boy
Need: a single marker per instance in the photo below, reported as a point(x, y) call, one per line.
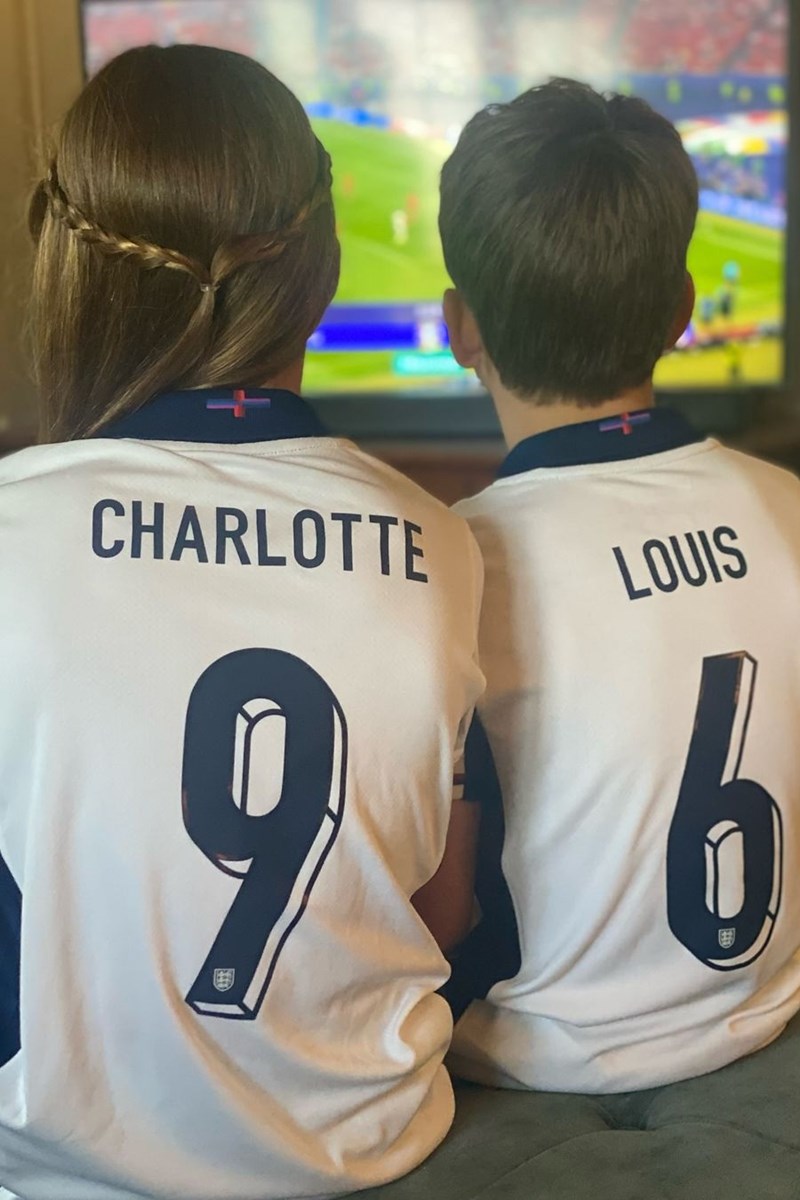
point(638, 632)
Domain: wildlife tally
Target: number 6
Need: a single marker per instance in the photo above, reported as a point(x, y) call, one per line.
point(279, 854)
point(725, 845)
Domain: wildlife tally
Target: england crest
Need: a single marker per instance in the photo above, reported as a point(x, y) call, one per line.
point(223, 978)
point(726, 938)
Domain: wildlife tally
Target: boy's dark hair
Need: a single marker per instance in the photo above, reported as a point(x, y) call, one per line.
point(565, 220)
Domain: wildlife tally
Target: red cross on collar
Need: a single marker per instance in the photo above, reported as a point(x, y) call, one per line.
point(624, 423)
point(240, 403)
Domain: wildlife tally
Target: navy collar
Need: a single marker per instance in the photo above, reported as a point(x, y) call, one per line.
point(220, 415)
point(615, 439)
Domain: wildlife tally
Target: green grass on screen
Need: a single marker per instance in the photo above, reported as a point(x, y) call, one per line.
point(378, 171)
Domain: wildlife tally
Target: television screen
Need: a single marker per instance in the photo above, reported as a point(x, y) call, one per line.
point(389, 84)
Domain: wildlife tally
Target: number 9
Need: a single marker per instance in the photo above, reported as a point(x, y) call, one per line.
point(280, 854)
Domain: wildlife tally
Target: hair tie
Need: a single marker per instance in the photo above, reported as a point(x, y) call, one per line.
point(209, 287)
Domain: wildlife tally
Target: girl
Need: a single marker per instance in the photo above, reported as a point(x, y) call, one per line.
point(243, 658)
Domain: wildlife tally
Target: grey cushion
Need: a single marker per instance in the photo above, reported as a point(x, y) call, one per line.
point(733, 1135)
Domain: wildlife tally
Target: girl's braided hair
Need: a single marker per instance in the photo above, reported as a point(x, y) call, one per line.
point(233, 150)
point(236, 252)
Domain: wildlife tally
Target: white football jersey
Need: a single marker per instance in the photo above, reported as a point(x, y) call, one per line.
point(639, 640)
point(238, 658)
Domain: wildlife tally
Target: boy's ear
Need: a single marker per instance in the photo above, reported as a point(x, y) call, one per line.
point(465, 339)
point(684, 313)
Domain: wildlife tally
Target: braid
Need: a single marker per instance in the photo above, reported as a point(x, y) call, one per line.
point(147, 254)
point(320, 194)
point(236, 252)
point(267, 247)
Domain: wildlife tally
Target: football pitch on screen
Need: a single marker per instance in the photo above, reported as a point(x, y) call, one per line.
point(386, 193)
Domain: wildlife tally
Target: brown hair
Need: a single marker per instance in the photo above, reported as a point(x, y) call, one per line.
point(565, 219)
point(185, 236)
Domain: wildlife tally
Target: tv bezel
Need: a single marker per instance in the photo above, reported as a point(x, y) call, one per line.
point(429, 415)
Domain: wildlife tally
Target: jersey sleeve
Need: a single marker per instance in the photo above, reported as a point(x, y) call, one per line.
point(460, 788)
point(459, 778)
point(479, 780)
